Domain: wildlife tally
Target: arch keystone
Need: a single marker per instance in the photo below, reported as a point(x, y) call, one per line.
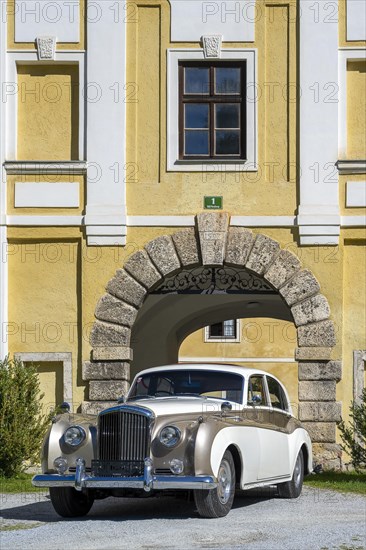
point(162, 252)
point(212, 230)
point(263, 253)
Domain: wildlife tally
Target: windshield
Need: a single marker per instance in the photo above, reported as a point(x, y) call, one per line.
point(221, 385)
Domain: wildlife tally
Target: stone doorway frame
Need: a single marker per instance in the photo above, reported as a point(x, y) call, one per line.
point(214, 242)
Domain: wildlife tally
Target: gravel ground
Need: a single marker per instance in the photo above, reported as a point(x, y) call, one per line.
point(318, 520)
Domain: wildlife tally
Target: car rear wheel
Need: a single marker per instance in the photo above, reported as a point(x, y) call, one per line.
point(217, 502)
point(292, 489)
point(70, 503)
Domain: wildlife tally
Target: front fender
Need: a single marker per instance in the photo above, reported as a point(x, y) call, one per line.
point(54, 445)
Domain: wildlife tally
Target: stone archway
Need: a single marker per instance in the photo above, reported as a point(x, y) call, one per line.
point(215, 243)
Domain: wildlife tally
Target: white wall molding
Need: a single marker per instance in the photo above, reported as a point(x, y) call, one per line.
point(173, 164)
point(319, 201)
point(345, 55)
point(235, 20)
point(11, 93)
point(34, 18)
point(102, 224)
point(351, 166)
point(356, 20)
point(106, 128)
point(43, 168)
point(47, 195)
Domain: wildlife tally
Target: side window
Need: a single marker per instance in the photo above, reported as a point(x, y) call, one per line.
point(277, 395)
point(256, 391)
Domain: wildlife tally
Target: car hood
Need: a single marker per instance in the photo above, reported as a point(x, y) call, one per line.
point(161, 406)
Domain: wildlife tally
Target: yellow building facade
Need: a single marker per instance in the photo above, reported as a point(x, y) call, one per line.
point(174, 165)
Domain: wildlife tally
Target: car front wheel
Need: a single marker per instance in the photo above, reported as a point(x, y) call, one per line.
point(70, 503)
point(292, 489)
point(217, 502)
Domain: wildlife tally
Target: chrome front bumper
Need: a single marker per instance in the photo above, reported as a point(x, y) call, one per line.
point(147, 482)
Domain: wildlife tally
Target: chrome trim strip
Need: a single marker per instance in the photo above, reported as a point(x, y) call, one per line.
point(129, 408)
point(157, 482)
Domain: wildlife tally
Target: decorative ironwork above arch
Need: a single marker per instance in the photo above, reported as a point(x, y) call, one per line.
point(213, 280)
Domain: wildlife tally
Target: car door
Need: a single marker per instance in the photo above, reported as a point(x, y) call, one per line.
point(273, 435)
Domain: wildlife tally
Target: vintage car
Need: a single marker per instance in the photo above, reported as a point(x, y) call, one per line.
point(206, 428)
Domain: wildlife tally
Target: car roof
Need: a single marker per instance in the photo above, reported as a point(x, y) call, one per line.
point(227, 367)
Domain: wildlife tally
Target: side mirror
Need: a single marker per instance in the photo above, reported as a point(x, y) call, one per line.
point(226, 407)
point(121, 400)
point(65, 407)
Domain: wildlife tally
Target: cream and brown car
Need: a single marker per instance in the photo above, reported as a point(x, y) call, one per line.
point(205, 428)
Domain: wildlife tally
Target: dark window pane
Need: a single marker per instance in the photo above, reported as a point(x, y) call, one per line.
point(227, 329)
point(277, 395)
point(227, 142)
point(196, 115)
point(196, 142)
point(227, 116)
point(196, 80)
point(227, 80)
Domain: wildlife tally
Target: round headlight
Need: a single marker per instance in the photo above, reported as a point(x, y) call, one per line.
point(170, 436)
point(74, 435)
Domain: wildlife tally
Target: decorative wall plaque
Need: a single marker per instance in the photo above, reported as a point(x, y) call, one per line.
point(46, 47)
point(212, 45)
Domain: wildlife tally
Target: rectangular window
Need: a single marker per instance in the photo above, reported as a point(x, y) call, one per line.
point(212, 110)
point(226, 330)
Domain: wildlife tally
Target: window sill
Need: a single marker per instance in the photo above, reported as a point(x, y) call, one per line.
point(214, 165)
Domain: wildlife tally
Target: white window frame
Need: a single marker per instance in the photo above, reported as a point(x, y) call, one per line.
point(174, 164)
point(210, 339)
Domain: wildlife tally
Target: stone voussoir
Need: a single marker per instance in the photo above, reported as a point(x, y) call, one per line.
point(317, 334)
point(213, 228)
point(320, 390)
point(126, 288)
point(263, 253)
point(106, 371)
point(142, 269)
point(107, 390)
point(301, 286)
point(320, 370)
point(322, 411)
point(162, 252)
point(321, 431)
point(106, 334)
point(283, 268)
point(311, 310)
point(114, 310)
point(313, 354)
point(95, 407)
point(185, 243)
point(112, 353)
point(238, 246)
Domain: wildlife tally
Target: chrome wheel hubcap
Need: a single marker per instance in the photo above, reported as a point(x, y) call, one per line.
point(297, 471)
point(224, 482)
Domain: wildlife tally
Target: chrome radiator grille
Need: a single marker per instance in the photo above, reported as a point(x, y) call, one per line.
point(123, 442)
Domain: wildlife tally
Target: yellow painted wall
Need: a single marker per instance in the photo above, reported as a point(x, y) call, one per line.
point(48, 112)
point(356, 110)
point(51, 384)
point(12, 45)
point(151, 190)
